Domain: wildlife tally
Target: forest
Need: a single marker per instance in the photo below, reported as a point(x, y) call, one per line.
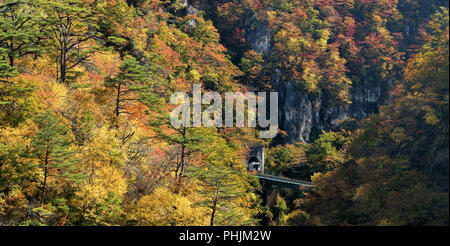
point(86, 137)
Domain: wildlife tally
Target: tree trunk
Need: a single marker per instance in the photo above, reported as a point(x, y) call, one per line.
point(183, 160)
point(45, 177)
point(117, 110)
point(63, 63)
point(11, 55)
point(183, 156)
point(213, 214)
point(214, 207)
point(11, 60)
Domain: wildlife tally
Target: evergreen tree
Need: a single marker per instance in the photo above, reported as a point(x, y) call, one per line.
point(219, 186)
point(129, 84)
point(14, 94)
point(52, 146)
point(71, 23)
point(6, 72)
point(187, 139)
point(21, 28)
point(224, 182)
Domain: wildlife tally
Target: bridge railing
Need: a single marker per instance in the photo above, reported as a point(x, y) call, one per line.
point(285, 181)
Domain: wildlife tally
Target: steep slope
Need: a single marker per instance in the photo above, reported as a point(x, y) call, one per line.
point(365, 42)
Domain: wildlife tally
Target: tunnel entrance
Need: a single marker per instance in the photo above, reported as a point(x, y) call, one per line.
point(254, 164)
point(254, 160)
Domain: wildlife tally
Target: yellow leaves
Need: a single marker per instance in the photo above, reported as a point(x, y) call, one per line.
point(204, 31)
point(323, 40)
point(103, 149)
point(252, 63)
point(49, 93)
point(19, 136)
point(15, 204)
point(378, 21)
point(310, 78)
point(25, 102)
point(194, 75)
point(362, 193)
point(166, 34)
point(100, 194)
point(104, 181)
point(398, 135)
point(297, 217)
point(316, 179)
point(386, 222)
point(431, 118)
point(107, 63)
point(281, 34)
point(164, 208)
point(104, 184)
point(14, 142)
point(334, 57)
point(271, 16)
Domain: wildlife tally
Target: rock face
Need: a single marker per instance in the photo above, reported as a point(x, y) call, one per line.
point(189, 10)
point(259, 36)
point(300, 113)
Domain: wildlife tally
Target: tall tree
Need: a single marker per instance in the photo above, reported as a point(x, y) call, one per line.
point(187, 139)
point(71, 23)
point(21, 28)
point(6, 70)
point(52, 146)
point(128, 83)
point(219, 186)
point(224, 182)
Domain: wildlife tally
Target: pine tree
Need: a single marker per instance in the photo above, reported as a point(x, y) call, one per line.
point(129, 84)
point(219, 187)
point(6, 72)
point(188, 140)
point(71, 23)
point(224, 181)
point(52, 146)
point(21, 30)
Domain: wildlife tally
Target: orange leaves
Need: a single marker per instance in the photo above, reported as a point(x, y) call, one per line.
point(107, 64)
point(138, 112)
point(398, 90)
point(165, 55)
point(300, 13)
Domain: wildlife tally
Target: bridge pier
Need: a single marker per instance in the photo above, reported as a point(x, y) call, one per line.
point(271, 197)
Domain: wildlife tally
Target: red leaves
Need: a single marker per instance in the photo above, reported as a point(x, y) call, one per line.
point(238, 38)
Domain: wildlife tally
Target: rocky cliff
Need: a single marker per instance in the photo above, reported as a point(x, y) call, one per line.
point(300, 113)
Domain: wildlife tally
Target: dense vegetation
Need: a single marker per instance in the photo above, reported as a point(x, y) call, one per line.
point(85, 137)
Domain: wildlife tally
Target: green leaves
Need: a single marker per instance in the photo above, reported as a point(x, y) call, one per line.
point(21, 29)
point(52, 145)
point(399, 168)
point(6, 70)
point(71, 24)
point(130, 85)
